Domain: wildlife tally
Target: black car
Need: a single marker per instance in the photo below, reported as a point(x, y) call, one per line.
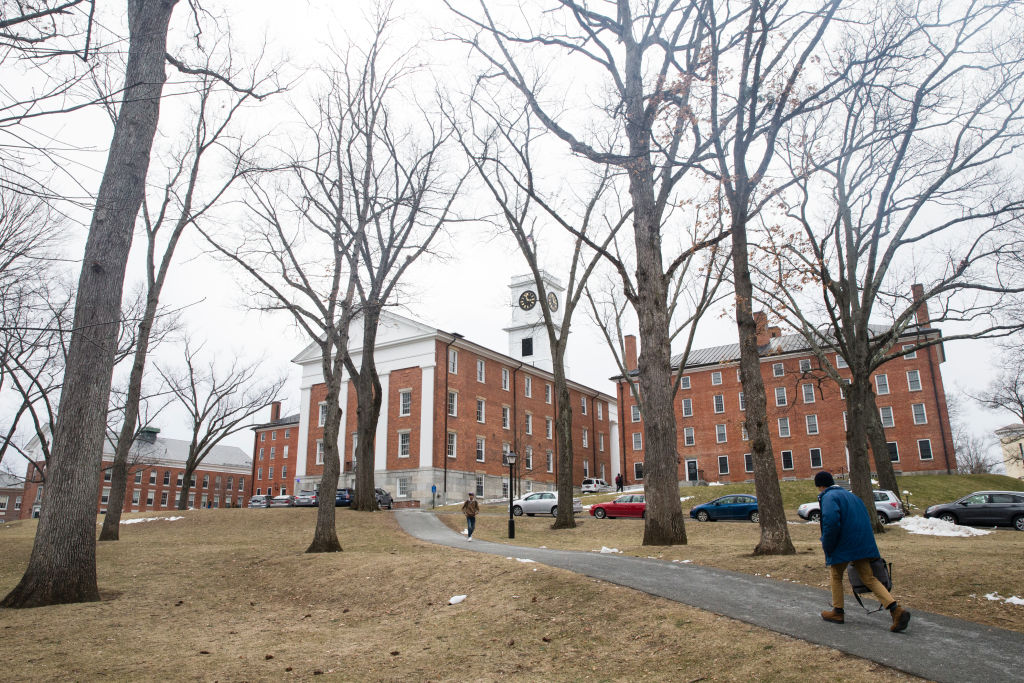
point(983, 508)
point(343, 497)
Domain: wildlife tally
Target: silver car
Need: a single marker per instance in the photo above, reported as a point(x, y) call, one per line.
point(887, 505)
point(542, 503)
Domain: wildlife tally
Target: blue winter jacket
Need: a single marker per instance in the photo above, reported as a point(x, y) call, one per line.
point(846, 533)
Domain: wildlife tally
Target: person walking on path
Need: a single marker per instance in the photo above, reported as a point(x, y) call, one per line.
point(470, 508)
point(847, 537)
point(618, 483)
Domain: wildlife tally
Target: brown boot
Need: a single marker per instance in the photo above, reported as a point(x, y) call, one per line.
point(836, 616)
point(900, 619)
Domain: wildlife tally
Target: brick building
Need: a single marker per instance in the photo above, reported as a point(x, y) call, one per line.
point(155, 475)
point(452, 408)
point(12, 492)
point(807, 416)
point(274, 454)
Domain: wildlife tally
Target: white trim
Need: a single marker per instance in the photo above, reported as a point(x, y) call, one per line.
point(427, 416)
point(380, 447)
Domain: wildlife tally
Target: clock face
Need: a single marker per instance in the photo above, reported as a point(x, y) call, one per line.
point(527, 300)
point(552, 302)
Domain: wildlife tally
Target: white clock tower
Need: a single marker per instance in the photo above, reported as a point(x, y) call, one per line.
point(527, 337)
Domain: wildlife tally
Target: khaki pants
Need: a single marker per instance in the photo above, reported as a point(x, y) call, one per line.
point(863, 567)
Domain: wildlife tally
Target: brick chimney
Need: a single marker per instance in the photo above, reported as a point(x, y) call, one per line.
point(630, 358)
point(917, 291)
point(275, 411)
point(761, 323)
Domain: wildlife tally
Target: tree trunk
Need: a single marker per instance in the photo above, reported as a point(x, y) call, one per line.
point(856, 442)
point(186, 483)
point(775, 538)
point(325, 535)
point(563, 428)
point(62, 566)
point(879, 447)
point(368, 402)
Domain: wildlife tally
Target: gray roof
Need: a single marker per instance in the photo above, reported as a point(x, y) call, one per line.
point(10, 481)
point(281, 421)
point(176, 451)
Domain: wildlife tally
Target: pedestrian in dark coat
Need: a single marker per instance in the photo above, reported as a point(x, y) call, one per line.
point(847, 537)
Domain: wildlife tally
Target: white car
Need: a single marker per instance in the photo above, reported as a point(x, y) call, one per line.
point(542, 503)
point(887, 504)
point(595, 486)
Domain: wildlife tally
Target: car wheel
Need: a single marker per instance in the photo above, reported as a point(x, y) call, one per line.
point(702, 516)
point(755, 517)
point(1018, 522)
point(948, 517)
point(517, 511)
point(815, 516)
point(882, 519)
point(600, 513)
point(554, 510)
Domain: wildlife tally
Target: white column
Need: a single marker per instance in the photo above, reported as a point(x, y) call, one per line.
point(427, 416)
point(302, 446)
point(613, 436)
point(342, 431)
point(380, 451)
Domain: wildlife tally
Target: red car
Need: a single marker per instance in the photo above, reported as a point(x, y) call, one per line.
point(629, 505)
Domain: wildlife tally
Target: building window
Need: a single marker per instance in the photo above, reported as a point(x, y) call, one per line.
point(270, 474)
point(181, 478)
point(136, 496)
point(719, 401)
point(723, 464)
point(844, 421)
point(163, 499)
point(688, 436)
point(105, 496)
point(480, 486)
point(743, 401)
point(600, 442)
point(783, 426)
point(924, 449)
point(886, 414)
point(815, 458)
point(778, 370)
point(529, 423)
point(206, 479)
point(780, 396)
point(272, 449)
point(528, 386)
point(138, 477)
point(634, 412)
point(716, 378)
point(480, 370)
point(687, 407)
point(684, 382)
point(263, 436)
point(894, 451)
point(480, 449)
point(506, 417)
point(840, 362)
point(405, 403)
point(451, 445)
point(909, 355)
point(403, 444)
point(600, 409)
point(882, 384)
point(551, 461)
point(152, 476)
point(748, 462)
point(842, 388)
point(638, 441)
point(586, 438)
point(319, 451)
point(287, 433)
point(284, 452)
point(453, 403)
point(586, 468)
point(480, 410)
point(787, 460)
point(17, 502)
point(547, 393)
point(284, 471)
point(529, 457)
point(273, 435)
point(812, 424)
point(920, 417)
point(321, 419)
point(638, 471)
point(914, 380)
point(720, 433)
point(527, 344)
point(504, 488)
point(108, 475)
point(261, 454)
point(167, 477)
point(453, 361)
point(241, 483)
point(150, 497)
point(743, 432)
point(805, 365)
point(808, 391)
point(404, 486)
point(583, 404)
point(504, 379)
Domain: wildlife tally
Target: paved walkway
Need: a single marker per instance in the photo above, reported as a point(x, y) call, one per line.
point(935, 647)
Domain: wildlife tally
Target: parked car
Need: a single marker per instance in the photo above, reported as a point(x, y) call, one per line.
point(629, 505)
point(259, 501)
point(343, 497)
point(595, 485)
point(985, 508)
point(282, 501)
point(384, 499)
point(306, 499)
point(542, 503)
point(887, 504)
point(737, 506)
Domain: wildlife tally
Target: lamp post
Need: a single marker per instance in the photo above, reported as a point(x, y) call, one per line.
point(510, 458)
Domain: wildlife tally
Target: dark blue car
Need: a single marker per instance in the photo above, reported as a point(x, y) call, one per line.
point(736, 506)
point(343, 498)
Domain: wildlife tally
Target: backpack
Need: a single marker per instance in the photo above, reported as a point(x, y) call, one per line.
point(882, 571)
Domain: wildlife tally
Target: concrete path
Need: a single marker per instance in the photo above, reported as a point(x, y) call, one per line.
point(935, 647)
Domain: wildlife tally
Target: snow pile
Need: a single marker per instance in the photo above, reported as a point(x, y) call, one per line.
point(1009, 601)
point(524, 559)
point(683, 561)
point(715, 483)
point(936, 527)
point(456, 599)
point(605, 550)
point(685, 498)
point(150, 519)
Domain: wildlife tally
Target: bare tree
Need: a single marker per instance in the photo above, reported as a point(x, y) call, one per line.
point(1006, 391)
point(972, 450)
point(219, 401)
point(648, 59)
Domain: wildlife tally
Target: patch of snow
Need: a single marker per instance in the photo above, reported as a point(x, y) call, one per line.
point(874, 482)
point(685, 498)
point(715, 483)
point(544, 546)
point(465, 532)
point(606, 550)
point(1014, 601)
point(456, 599)
point(151, 519)
point(524, 559)
point(936, 527)
point(996, 597)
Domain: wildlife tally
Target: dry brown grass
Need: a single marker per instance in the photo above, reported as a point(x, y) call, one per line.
point(945, 575)
point(229, 595)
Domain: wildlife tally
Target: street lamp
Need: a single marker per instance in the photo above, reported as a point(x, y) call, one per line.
point(510, 458)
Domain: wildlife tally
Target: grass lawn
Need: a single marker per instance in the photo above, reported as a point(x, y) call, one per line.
point(230, 595)
point(939, 574)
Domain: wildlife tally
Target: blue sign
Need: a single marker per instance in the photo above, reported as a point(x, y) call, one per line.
point(433, 489)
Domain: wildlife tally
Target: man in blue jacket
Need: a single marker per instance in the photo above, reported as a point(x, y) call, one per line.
point(846, 536)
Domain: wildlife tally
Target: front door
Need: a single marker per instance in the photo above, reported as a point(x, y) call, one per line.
point(691, 470)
